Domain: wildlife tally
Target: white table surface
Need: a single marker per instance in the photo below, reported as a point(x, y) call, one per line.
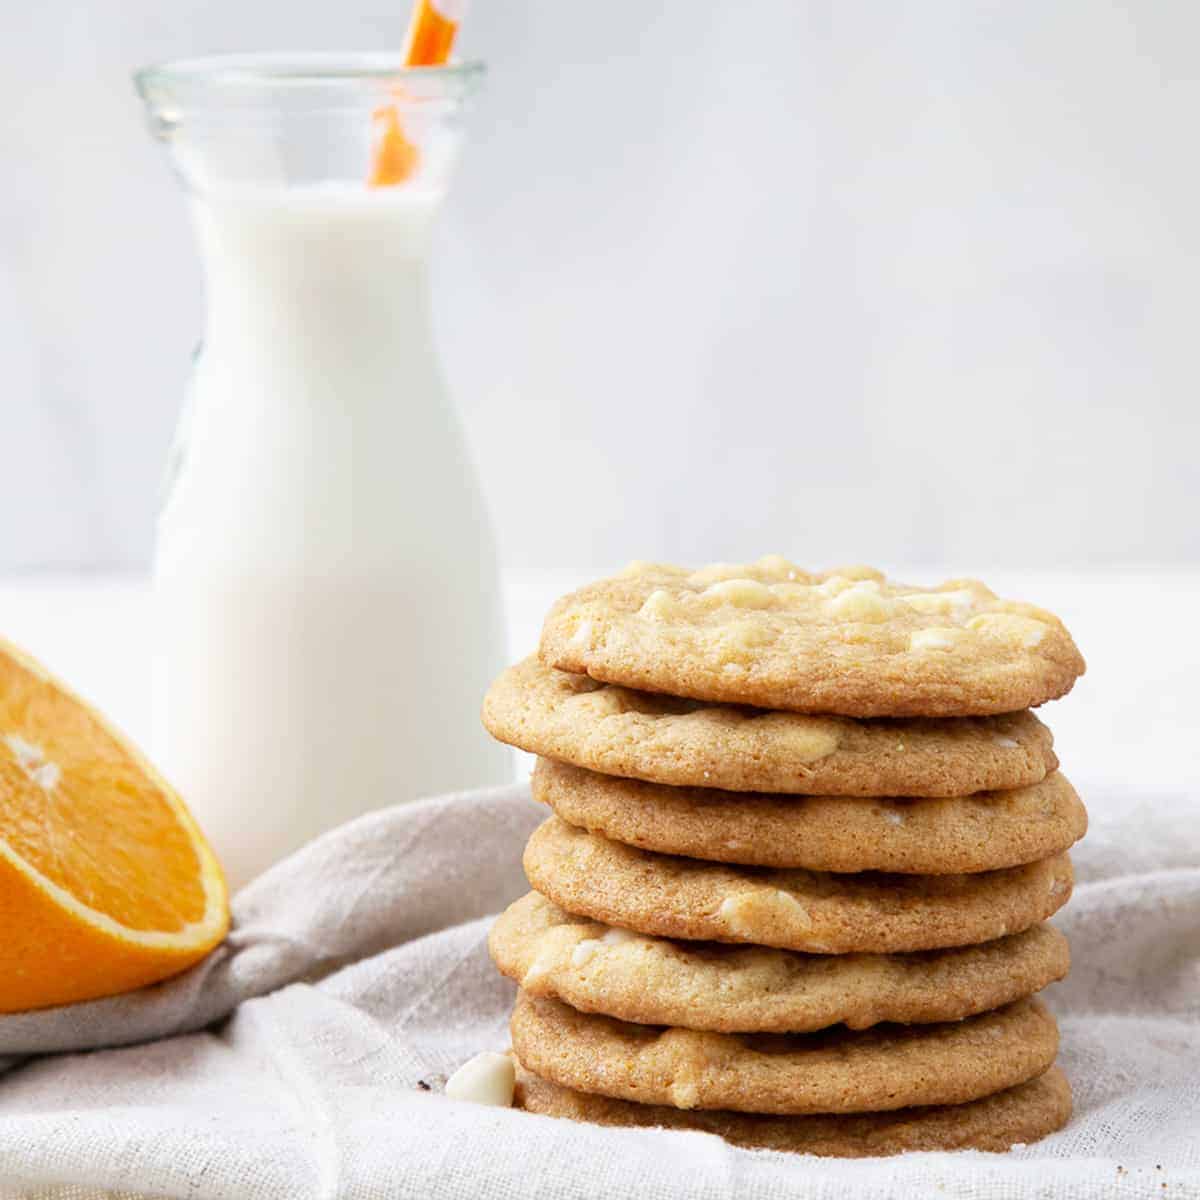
point(1132, 724)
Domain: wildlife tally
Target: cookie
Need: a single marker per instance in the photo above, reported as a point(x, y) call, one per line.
point(983, 832)
point(664, 739)
point(850, 642)
point(738, 989)
point(813, 911)
point(1016, 1115)
point(835, 1071)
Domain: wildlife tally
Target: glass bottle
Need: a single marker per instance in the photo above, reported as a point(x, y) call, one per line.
point(326, 593)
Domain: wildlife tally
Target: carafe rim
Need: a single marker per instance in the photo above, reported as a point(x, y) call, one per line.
point(250, 78)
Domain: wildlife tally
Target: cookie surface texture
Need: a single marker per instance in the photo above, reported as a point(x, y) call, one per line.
point(664, 739)
point(836, 1071)
point(736, 989)
point(1024, 1113)
point(813, 911)
point(982, 832)
point(849, 641)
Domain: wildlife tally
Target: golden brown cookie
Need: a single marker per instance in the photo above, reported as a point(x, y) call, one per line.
point(835, 1071)
point(849, 641)
point(731, 989)
point(983, 832)
point(812, 911)
point(1016, 1115)
point(664, 739)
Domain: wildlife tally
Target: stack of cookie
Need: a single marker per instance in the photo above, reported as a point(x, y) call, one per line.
point(806, 835)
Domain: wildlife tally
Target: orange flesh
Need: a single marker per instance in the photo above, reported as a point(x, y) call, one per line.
point(78, 809)
point(430, 38)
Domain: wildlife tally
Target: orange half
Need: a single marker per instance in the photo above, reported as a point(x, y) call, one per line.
point(106, 882)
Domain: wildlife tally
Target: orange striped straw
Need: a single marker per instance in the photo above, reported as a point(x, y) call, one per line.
point(431, 33)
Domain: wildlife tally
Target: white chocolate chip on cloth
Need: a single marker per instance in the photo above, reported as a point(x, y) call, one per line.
point(488, 1078)
point(739, 989)
point(847, 641)
point(836, 1070)
point(982, 832)
point(813, 911)
point(688, 743)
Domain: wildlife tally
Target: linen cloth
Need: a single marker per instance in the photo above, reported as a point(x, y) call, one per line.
point(357, 970)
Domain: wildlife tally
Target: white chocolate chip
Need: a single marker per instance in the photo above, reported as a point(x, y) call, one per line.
point(747, 633)
point(776, 564)
point(859, 572)
point(1006, 743)
point(805, 743)
point(795, 909)
point(744, 913)
point(739, 641)
point(834, 585)
point(584, 952)
point(894, 817)
point(488, 1078)
point(583, 634)
point(862, 602)
point(659, 606)
point(741, 593)
point(717, 571)
point(933, 639)
point(731, 910)
point(543, 964)
point(1010, 627)
point(790, 593)
point(618, 937)
point(957, 603)
point(684, 1093)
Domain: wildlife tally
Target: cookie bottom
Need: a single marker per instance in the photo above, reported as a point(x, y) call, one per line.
point(996, 1123)
point(888, 1067)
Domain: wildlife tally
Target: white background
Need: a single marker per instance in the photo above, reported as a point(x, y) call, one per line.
point(911, 282)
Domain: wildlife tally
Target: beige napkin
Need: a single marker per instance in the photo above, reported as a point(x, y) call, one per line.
point(357, 977)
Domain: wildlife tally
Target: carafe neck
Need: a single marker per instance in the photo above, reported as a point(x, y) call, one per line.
point(331, 279)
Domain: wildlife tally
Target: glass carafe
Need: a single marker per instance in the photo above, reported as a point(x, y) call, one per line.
point(325, 582)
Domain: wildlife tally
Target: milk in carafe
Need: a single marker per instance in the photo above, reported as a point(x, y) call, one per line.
point(326, 587)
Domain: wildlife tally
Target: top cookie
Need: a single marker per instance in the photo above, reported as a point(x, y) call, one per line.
point(849, 642)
